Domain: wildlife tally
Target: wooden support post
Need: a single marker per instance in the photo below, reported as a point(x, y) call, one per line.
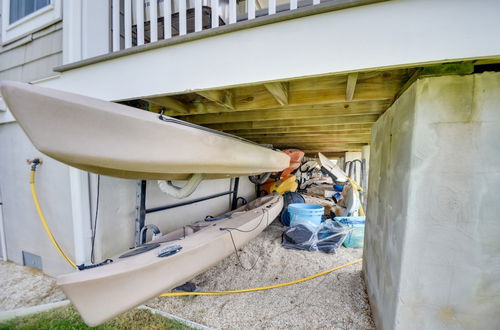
point(352, 78)
point(279, 91)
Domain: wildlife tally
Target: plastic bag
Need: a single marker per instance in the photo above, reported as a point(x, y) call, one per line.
point(326, 238)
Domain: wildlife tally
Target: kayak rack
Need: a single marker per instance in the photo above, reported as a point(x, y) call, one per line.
point(142, 211)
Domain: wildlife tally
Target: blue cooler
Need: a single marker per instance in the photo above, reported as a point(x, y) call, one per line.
point(356, 237)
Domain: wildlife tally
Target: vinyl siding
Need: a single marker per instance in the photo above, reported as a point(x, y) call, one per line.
point(33, 56)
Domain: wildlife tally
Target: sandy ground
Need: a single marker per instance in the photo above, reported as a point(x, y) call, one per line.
point(335, 301)
point(25, 287)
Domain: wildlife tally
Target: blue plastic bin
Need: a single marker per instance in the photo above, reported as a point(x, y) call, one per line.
point(356, 237)
point(305, 214)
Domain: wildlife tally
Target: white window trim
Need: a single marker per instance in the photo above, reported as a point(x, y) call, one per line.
point(33, 22)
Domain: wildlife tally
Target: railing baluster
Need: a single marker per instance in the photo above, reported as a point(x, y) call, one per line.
point(293, 4)
point(127, 12)
point(251, 9)
point(167, 19)
point(139, 14)
point(215, 13)
point(116, 25)
point(272, 7)
point(197, 16)
point(182, 17)
point(232, 11)
point(316, 2)
point(153, 20)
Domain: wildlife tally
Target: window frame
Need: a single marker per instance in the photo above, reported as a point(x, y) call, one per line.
point(33, 22)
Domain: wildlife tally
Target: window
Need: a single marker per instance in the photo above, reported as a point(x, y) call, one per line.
point(22, 8)
point(22, 17)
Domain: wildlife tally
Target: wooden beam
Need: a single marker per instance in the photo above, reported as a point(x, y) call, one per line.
point(302, 130)
point(312, 132)
point(459, 68)
point(355, 138)
point(321, 121)
point(223, 98)
point(370, 86)
point(327, 154)
point(168, 102)
point(356, 108)
point(279, 91)
point(310, 151)
point(351, 86)
point(407, 84)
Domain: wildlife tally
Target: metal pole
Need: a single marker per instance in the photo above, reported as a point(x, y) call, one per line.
point(234, 204)
point(140, 237)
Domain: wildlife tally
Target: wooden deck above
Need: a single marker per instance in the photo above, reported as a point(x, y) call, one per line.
point(329, 114)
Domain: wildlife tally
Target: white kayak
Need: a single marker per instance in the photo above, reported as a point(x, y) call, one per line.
point(117, 140)
point(101, 293)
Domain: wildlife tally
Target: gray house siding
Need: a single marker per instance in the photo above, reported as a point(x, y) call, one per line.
point(32, 57)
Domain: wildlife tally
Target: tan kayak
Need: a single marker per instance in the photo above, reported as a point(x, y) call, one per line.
point(121, 141)
point(101, 293)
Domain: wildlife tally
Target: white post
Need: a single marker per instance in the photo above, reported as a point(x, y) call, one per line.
point(167, 19)
point(293, 4)
point(272, 7)
point(74, 23)
point(215, 13)
point(251, 9)
point(182, 18)
point(153, 20)
point(116, 25)
point(80, 209)
point(198, 24)
point(72, 31)
point(127, 13)
point(232, 11)
point(139, 13)
point(96, 27)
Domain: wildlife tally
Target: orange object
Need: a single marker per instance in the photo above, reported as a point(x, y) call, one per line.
point(296, 157)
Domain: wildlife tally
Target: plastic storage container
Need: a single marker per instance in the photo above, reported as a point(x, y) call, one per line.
point(355, 238)
point(305, 214)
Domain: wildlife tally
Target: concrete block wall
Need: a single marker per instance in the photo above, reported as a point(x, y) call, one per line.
point(432, 244)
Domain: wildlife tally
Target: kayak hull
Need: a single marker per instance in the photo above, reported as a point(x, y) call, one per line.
point(102, 293)
point(121, 141)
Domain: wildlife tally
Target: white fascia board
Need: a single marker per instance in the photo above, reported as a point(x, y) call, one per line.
point(383, 35)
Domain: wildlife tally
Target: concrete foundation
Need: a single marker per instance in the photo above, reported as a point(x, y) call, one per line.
point(432, 239)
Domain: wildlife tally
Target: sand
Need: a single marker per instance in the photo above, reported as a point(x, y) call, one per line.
point(335, 301)
point(25, 287)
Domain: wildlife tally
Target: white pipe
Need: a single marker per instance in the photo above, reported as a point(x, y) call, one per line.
point(2, 234)
point(168, 188)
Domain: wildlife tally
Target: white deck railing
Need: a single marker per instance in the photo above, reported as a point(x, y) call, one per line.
point(138, 22)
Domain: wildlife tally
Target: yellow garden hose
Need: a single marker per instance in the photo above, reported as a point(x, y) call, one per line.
point(219, 293)
point(42, 217)
point(354, 184)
